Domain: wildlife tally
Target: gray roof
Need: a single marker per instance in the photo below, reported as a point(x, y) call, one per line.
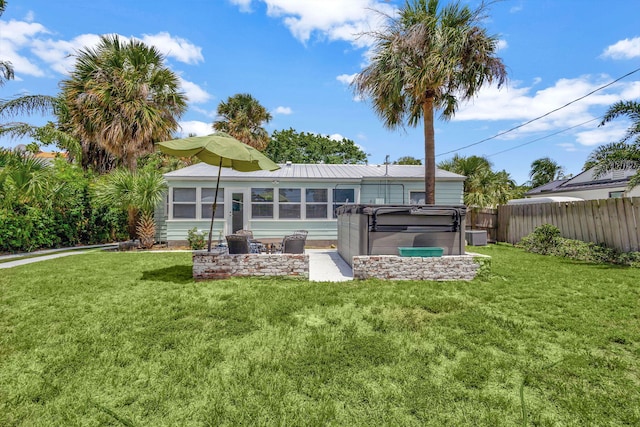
point(586, 180)
point(296, 171)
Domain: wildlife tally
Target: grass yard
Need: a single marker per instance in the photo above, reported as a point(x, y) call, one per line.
point(129, 339)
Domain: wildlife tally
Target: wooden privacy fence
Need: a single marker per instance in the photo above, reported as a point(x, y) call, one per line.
point(612, 222)
point(483, 219)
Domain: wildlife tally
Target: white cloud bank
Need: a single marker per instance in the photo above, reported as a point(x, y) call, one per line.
point(285, 111)
point(194, 127)
point(342, 20)
point(624, 49)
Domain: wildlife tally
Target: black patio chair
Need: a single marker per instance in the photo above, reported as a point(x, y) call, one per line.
point(238, 244)
point(293, 244)
point(304, 233)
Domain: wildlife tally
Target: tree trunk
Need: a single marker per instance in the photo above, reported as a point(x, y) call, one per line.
point(429, 153)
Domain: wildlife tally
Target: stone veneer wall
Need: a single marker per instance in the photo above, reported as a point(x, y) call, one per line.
point(222, 266)
point(391, 267)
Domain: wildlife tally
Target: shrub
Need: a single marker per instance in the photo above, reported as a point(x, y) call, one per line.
point(197, 239)
point(546, 240)
point(543, 240)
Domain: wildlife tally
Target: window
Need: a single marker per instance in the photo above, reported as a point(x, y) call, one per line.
point(416, 197)
point(341, 197)
point(289, 203)
point(184, 203)
point(262, 202)
point(316, 203)
point(616, 194)
point(206, 202)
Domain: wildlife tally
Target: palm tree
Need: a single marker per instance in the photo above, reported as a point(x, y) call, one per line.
point(122, 98)
point(242, 117)
point(622, 154)
point(6, 68)
point(483, 187)
point(429, 58)
point(545, 170)
point(136, 192)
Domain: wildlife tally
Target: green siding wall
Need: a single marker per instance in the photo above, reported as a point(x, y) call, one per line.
point(370, 191)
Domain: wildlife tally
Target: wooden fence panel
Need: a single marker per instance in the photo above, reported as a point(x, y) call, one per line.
point(613, 222)
point(632, 223)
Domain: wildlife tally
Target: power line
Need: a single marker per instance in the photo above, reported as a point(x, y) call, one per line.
point(540, 117)
point(544, 137)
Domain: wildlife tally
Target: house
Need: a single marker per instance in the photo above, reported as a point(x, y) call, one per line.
point(587, 186)
point(297, 196)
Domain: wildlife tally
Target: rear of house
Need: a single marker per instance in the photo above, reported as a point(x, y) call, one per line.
point(298, 196)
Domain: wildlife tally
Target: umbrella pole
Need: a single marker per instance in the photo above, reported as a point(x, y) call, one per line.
point(215, 205)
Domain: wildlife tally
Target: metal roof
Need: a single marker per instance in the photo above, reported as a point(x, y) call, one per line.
point(297, 171)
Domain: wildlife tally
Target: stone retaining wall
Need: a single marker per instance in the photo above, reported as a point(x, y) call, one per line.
point(391, 267)
point(222, 266)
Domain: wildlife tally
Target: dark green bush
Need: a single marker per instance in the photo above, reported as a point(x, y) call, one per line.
point(546, 240)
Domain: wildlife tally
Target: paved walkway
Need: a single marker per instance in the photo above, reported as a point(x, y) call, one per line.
point(325, 265)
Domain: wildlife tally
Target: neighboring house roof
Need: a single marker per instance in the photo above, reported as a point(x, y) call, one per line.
point(50, 156)
point(585, 181)
point(297, 171)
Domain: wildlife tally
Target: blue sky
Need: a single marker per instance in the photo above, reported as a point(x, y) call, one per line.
point(297, 58)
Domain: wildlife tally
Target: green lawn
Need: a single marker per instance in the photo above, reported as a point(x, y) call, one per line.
point(130, 339)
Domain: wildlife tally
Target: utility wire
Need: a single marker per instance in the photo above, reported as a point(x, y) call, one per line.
point(540, 117)
point(544, 137)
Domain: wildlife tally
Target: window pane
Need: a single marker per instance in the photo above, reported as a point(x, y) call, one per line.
point(206, 210)
point(262, 210)
point(290, 195)
point(262, 194)
point(290, 211)
point(184, 195)
point(208, 193)
point(316, 211)
point(416, 197)
point(317, 195)
point(343, 196)
point(184, 211)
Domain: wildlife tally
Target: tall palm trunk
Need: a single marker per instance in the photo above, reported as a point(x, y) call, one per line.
point(429, 153)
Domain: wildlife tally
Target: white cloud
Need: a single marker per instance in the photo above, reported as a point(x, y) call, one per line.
point(333, 19)
point(61, 54)
point(336, 137)
point(283, 111)
point(244, 5)
point(346, 78)
point(16, 36)
point(523, 104)
point(568, 146)
point(612, 132)
point(195, 93)
point(195, 127)
point(501, 45)
point(175, 47)
point(624, 49)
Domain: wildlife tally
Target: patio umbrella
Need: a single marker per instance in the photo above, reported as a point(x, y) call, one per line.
point(222, 150)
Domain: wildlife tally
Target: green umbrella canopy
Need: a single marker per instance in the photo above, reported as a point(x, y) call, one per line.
point(212, 148)
point(222, 150)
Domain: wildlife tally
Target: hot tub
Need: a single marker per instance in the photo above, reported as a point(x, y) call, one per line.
point(382, 229)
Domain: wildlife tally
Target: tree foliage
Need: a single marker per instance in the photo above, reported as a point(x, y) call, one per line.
point(304, 147)
point(624, 154)
point(544, 170)
point(483, 187)
point(407, 160)
point(429, 58)
point(134, 192)
point(120, 99)
point(242, 117)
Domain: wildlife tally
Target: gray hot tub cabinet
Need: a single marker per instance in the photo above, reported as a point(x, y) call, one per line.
point(382, 229)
